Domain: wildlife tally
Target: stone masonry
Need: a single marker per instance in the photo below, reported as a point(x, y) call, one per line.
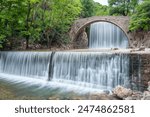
point(139, 71)
point(136, 39)
point(139, 63)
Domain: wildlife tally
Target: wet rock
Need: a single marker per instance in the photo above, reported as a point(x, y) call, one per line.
point(114, 48)
point(146, 98)
point(136, 95)
point(134, 50)
point(146, 95)
point(142, 48)
point(122, 92)
point(82, 41)
point(129, 98)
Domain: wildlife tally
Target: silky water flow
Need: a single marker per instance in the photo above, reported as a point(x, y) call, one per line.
point(89, 70)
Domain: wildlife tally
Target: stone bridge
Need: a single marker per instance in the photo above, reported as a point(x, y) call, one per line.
point(77, 32)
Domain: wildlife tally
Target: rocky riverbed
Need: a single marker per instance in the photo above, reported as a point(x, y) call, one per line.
point(7, 93)
point(128, 94)
point(119, 93)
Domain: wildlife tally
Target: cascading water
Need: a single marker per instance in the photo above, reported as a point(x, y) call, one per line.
point(87, 69)
point(94, 70)
point(27, 64)
point(107, 35)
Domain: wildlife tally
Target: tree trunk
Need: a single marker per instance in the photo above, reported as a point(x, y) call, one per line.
point(27, 42)
point(27, 24)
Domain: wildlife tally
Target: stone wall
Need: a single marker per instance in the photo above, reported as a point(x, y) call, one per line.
point(140, 39)
point(81, 42)
point(136, 39)
point(139, 71)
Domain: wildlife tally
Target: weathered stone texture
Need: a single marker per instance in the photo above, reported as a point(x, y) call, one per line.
point(82, 41)
point(140, 39)
point(140, 71)
point(136, 39)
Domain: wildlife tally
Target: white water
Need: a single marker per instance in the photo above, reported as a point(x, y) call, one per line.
point(107, 35)
point(76, 71)
point(27, 64)
point(95, 70)
point(98, 70)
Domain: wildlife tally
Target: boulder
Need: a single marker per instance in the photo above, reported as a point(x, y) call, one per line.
point(136, 95)
point(146, 95)
point(122, 92)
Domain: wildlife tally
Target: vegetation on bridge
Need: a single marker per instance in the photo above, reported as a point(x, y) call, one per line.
point(42, 23)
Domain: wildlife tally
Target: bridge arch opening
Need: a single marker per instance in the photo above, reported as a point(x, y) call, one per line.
point(88, 24)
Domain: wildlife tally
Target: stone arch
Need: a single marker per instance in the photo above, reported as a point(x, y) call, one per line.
point(120, 21)
point(84, 26)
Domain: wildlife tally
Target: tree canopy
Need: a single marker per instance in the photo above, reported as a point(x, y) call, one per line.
point(141, 19)
point(44, 22)
point(91, 8)
point(122, 7)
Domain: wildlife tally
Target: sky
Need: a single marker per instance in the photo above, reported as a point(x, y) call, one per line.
point(103, 2)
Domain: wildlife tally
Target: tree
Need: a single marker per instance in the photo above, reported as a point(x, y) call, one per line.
point(36, 21)
point(87, 8)
point(122, 7)
point(101, 10)
point(10, 17)
point(140, 21)
point(62, 15)
point(29, 28)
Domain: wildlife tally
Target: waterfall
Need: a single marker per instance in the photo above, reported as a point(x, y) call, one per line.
point(98, 70)
point(85, 69)
point(95, 70)
point(27, 64)
point(107, 35)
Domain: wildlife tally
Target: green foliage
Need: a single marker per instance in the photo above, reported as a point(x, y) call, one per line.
point(91, 8)
point(48, 21)
point(60, 18)
point(141, 19)
point(2, 39)
point(37, 21)
point(122, 7)
point(101, 10)
point(42, 21)
point(87, 8)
